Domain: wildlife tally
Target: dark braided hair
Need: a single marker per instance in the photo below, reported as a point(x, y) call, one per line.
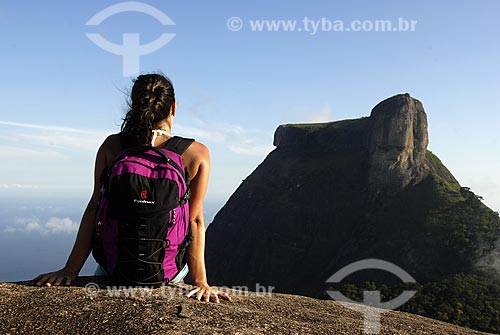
point(150, 101)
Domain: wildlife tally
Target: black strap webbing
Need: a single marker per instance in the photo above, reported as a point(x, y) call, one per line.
point(178, 144)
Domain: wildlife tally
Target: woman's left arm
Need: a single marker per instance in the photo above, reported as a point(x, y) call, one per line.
point(196, 250)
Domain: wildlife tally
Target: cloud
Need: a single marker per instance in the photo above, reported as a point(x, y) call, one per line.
point(492, 259)
point(323, 115)
point(239, 139)
point(54, 137)
point(243, 141)
point(54, 225)
point(213, 131)
point(307, 115)
point(252, 150)
point(24, 154)
point(18, 186)
point(89, 142)
point(45, 127)
point(199, 133)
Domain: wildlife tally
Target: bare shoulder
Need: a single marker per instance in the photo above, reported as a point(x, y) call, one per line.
point(199, 150)
point(196, 156)
point(111, 141)
point(110, 147)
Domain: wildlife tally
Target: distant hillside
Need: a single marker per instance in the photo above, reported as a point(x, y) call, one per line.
point(334, 193)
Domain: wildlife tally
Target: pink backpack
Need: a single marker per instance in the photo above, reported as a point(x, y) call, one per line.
point(142, 222)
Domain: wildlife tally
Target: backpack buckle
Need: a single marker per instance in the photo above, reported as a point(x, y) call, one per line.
point(186, 197)
point(172, 220)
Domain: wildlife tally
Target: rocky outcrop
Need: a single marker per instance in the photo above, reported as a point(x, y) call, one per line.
point(290, 135)
point(28, 310)
point(398, 143)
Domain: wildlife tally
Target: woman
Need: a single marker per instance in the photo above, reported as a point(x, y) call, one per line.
point(151, 113)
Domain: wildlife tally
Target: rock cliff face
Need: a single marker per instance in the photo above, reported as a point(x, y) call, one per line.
point(334, 193)
point(398, 143)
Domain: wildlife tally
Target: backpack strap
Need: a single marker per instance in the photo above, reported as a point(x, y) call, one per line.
point(178, 144)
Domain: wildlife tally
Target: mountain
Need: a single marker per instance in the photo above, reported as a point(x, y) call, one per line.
point(334, 193)
point(87, 309)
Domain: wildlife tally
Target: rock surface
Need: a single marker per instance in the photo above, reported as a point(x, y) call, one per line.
point(82, 310)
point(398, 143)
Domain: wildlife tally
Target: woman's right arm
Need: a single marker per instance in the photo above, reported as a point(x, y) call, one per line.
point(83, 243)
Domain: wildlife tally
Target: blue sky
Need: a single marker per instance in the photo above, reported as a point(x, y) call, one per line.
point(62, 94)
